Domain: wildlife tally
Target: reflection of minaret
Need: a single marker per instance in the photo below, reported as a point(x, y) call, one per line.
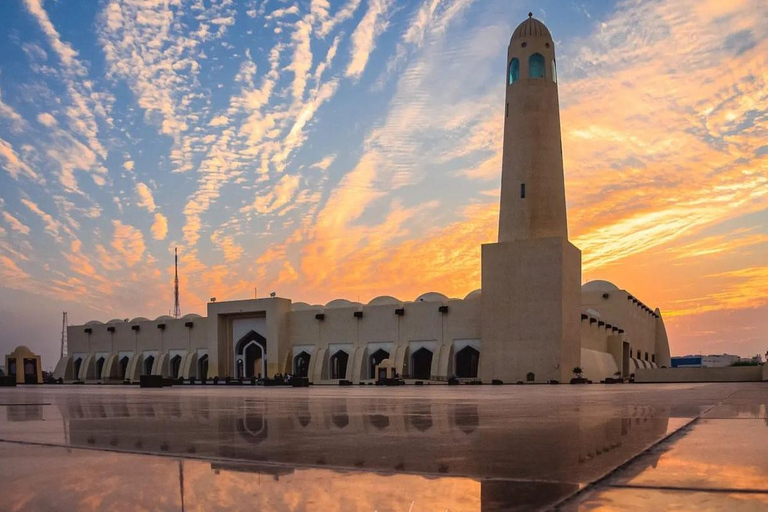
point(176, 308)
point(531, 278)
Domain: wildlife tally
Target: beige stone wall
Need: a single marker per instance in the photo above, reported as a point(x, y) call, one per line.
point(530, 310)
point(639, 324)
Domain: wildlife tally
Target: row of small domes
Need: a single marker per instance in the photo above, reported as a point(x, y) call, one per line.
point(382, 300)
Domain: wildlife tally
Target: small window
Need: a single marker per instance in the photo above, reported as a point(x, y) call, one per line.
point(536, 66)
point(514, 71)
point(554, 71)
point(653, 358)
point(646, 356)
point(506, 111)
point(639, 355)
point(522, 191)
point(524, 45)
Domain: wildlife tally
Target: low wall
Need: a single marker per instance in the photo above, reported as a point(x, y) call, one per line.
point(724, 374)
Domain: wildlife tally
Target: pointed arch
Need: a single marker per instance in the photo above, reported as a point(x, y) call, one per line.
point(514, 71)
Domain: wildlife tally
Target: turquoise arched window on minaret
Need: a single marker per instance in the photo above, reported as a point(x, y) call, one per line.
point(514, 71)
point(536, 66)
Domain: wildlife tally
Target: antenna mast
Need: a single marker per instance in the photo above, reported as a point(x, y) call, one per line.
point(64, 335)
point(176, 308)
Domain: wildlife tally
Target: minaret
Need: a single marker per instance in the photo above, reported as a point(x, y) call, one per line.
point(531, 278)
point(532, 181)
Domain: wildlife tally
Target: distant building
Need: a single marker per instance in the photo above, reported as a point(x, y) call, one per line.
point(531, 321)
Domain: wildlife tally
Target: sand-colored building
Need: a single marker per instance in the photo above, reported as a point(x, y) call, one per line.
point(24, 365)
point(531, 321)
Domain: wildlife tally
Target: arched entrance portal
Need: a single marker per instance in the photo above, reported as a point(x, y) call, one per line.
point(421, 364)
point(30, 371)
point(99, 367)
point(76, 368)
point(375, 359)
point(149, 362)
point(123, 367)
point(301, 365)
point(202, 367)
point(339, 365)
point(251, 356)
point(467, 360)
point(254, 361)
point(175, 366)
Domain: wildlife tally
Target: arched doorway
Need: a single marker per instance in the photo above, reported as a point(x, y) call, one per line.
point(254, 361)
point(149, 362)
point(76, 368)
point(175, 366)
point(301, 364)
point(99, 367)
point(251, 356)
point(123, 367)
point(376, 358)
point(30, 371)
point(467, 360)
point(202, 367)
point(338, 363)
point(421, 364)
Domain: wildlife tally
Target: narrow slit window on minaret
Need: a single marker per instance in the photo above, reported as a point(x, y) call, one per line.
point(522, 191)
point(506, 111)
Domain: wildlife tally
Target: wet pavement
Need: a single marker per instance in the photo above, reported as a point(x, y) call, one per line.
point(411, 449)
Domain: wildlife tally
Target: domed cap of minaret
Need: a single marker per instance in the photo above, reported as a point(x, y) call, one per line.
point(531, 28)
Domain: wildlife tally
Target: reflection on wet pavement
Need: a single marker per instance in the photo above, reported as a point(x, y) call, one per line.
point(718, 462)
point(472, 448)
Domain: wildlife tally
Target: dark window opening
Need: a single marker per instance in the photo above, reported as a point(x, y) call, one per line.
point(506, 111)
point(522, 191)
point(639, 356)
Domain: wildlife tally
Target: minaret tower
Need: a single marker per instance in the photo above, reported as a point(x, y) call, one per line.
point(532, 181)
point(531, 278)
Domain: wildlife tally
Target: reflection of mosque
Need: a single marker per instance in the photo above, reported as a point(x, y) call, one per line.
point(420, 436)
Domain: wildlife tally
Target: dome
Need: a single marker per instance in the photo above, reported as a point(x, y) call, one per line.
point(22, 351)
point(431, 297)
point(191, 316)
point(93, 322)
point(531, 28)
point(140, 319)
point(474, 295)
point(116, 321)
point(593, 313)
point(599, 286)
point(163, 318)
point(385, 300)
point(302, 306)
point(341, 303)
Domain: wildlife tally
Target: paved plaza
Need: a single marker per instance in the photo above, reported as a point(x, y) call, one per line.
point(410, 449)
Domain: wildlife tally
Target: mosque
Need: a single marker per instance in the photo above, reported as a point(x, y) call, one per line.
point(531, 321)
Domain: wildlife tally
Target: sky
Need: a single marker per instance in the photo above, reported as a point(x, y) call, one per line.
point(328, 149)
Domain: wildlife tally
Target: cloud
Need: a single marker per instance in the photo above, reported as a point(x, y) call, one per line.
point(325, 163)
point(52, 226)
point(8, 112)
point(363, 39)
point(46, 119)
point(15, 224)
point(160, 227)
point(278, 197)
point(128, 165)
point(14, 166)
point(146, 200)
point(128, 242)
